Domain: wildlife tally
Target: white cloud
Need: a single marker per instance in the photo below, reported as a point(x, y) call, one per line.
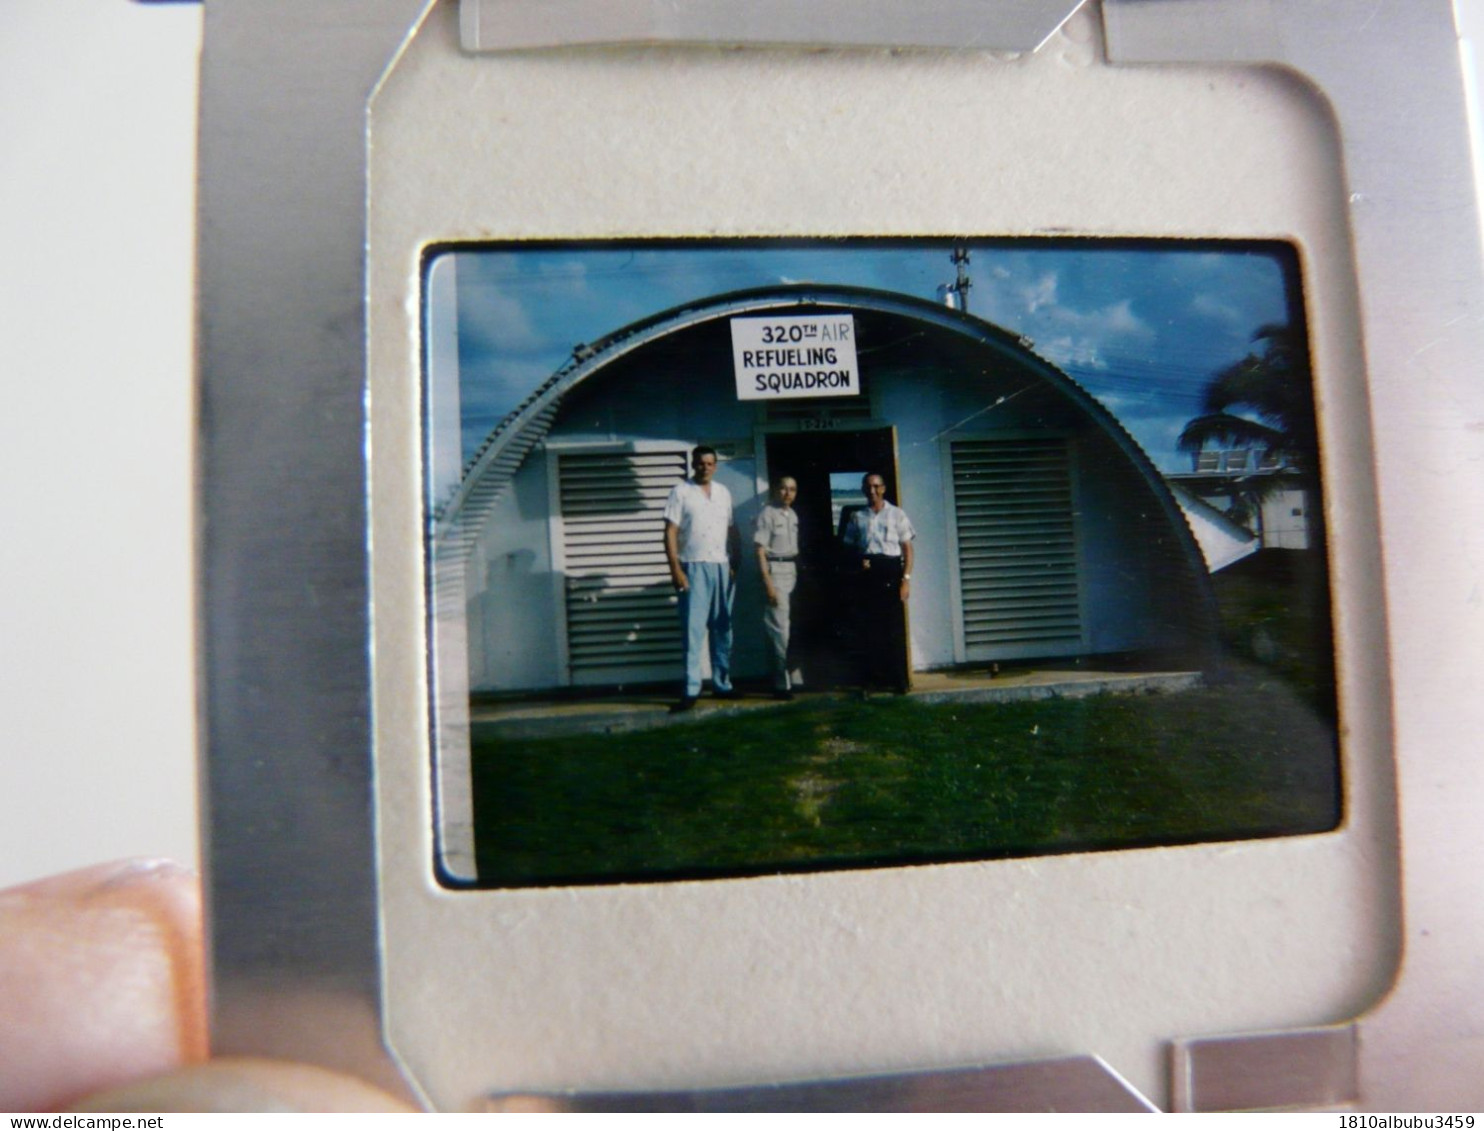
point(1222, 310)
point(493, 319)
point(1086, 338)
point(1065, 351)
point(1041, 292)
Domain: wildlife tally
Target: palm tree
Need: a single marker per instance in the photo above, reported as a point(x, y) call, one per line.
point(1265, 402)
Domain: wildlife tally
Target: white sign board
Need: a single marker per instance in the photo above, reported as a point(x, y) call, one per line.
point(808, 356)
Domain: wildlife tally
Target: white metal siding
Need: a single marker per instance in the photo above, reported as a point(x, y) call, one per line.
point(854, 409)
point(1017, 550)
point(620, 603)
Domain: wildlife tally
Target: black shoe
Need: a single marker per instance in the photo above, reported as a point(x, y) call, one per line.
point(729, 693)
point(783, 695)
point(684, 703)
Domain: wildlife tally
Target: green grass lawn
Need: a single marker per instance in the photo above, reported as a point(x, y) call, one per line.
point(843, 783)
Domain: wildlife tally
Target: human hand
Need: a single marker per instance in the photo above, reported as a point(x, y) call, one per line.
point(101, 973)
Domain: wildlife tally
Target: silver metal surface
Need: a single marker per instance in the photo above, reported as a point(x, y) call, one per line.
point(1310, 1068)
point(996, 25)
point(1075, 1083)
point(288, 821)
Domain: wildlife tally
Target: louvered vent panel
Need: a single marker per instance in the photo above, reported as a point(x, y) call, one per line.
point(621, 623)
point(1016, 548)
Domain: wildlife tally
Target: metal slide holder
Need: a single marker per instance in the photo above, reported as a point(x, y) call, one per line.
point(315, 704)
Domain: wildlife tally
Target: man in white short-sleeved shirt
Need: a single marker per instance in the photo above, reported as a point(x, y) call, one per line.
point(878, 544)
point(701, 545)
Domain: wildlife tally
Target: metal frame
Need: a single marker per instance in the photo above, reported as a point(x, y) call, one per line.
point(290, 826)
point(284, 614)
point(1002, 25)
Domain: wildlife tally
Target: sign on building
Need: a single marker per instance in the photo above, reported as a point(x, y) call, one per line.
point(805, 356)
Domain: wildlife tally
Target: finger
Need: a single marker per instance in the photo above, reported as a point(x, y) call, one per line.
point(246, 1085)
point(101, 976)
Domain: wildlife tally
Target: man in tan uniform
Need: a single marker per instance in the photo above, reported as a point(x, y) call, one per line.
point(777, 543)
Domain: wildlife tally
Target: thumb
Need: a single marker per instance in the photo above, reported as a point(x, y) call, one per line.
point(245, 1084)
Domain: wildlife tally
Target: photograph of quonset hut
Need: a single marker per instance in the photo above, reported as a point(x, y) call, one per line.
point(1043, 530)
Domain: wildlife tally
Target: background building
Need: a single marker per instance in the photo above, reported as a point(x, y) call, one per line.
point(1253, 488)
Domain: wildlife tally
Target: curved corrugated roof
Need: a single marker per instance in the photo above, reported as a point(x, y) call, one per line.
point(493, 466)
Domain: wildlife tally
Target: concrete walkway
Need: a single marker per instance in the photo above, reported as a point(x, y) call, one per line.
point(526, 718)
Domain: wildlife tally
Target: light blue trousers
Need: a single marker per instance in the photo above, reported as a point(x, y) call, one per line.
point(706, 609)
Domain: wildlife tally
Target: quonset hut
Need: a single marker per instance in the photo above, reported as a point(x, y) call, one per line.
point(1043, 530)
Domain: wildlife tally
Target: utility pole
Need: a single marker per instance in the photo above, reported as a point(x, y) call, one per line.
point(961, 285)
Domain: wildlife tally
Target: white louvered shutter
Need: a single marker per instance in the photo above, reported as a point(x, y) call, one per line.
point(620, 603)
point(1016, 548)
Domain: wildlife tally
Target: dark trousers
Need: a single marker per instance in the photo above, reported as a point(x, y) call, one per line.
point(880, 636)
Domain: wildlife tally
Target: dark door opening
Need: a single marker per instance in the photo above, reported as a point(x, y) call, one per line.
point(828, 467)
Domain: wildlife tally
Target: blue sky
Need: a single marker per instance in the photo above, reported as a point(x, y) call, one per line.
point(1142, 327)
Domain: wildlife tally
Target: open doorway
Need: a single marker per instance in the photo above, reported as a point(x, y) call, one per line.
point(828, 467)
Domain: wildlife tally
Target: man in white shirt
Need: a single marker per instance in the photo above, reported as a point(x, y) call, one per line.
point(702, 546)
point(878, 544)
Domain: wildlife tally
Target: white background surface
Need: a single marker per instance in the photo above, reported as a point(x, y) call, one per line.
point(97, 153)
point(97, 119)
